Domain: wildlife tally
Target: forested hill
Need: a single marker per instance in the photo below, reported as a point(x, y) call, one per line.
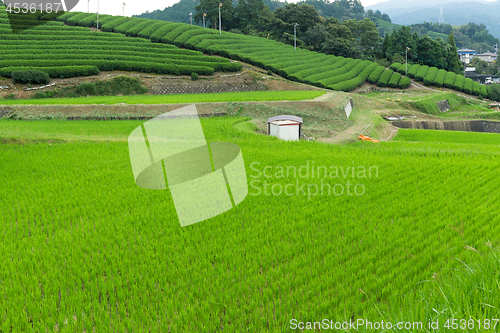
point(178, 12)
point(340, 9)
point(454, 13)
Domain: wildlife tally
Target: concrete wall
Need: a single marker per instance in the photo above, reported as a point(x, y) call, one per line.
point(465, 126)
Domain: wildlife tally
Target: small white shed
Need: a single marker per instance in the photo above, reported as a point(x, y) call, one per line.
point(285, 127)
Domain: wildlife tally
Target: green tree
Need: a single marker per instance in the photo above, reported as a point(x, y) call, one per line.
point(366, 36)
point(495, 67)
point(452, 59)
point(429, 52)
point(305, 15)
point(340, 47)
point(387, 46)
point(248, 13)
point(401, 39)
point(211, 8)
point(479, 64)
point(316, 36)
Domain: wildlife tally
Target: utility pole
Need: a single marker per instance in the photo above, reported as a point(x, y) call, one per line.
point(204, 16)
point(191, 17)
point(88, 6)
point(124, 8)
point(97, 14)
point(295, 36)
point(220, 21)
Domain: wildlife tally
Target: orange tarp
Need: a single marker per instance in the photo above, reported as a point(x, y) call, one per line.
point(366, 138)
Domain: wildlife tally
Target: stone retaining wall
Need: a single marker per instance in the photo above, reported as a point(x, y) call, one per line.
point(176, 88)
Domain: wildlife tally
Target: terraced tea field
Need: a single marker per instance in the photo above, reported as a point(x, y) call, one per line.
point(84, 248)
point(63, 51)
point(136, 54)
point(325, 71)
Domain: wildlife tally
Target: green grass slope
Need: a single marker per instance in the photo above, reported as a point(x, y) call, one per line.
point(63, 51)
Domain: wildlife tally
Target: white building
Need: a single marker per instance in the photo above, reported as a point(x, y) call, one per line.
point(466, 55)
point(285, 127)
point(489, 57)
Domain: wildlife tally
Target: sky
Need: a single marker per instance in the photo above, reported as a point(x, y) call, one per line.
point(135, 7)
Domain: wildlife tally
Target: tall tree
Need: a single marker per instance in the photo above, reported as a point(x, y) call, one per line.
point(452, 59)
point(387, 46)
point(401, 39)
point(366, 36)
point(305, 15)
point(248, 13)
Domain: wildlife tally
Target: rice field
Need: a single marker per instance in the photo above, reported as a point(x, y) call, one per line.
point(258, 96)
point(84, 249)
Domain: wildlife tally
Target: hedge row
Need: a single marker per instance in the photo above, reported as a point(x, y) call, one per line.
point(105, 19)
point(440, 77)
point(302, 74)
point(375, 75)
point(395, 66)
point(459, 83)
point(421, 73)
point(449, 80)
point(175, 32)
point(357, 81)
point(484, 91)
point(55, 72)
point(160, 33)
point(468, 83)
point(113, 65)
point(430, 76)
point(148, 31)
point(385, 77)
point(354, 72)
point(494, 92)
point(412, 70)
point(394, 80)
point(133, 31)
point(74, 20)
point(476, 88)
point(124, 27)
point(112, 24)
point(402, 70)
point(123, 49)
point(114, 55)
point(404, 83)
point(30, 76)
point(343, 66)
point(88, 21)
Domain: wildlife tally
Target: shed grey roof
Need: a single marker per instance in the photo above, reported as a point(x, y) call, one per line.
point(285, 117)
point(487, 54)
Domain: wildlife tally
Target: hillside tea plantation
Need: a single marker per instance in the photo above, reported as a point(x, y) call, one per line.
point(84, 249)
point(63, 51)
point(325, 71)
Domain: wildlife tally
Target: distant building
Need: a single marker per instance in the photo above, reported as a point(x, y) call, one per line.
point(470, 72)
point(487, 56)
point(466, 55)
